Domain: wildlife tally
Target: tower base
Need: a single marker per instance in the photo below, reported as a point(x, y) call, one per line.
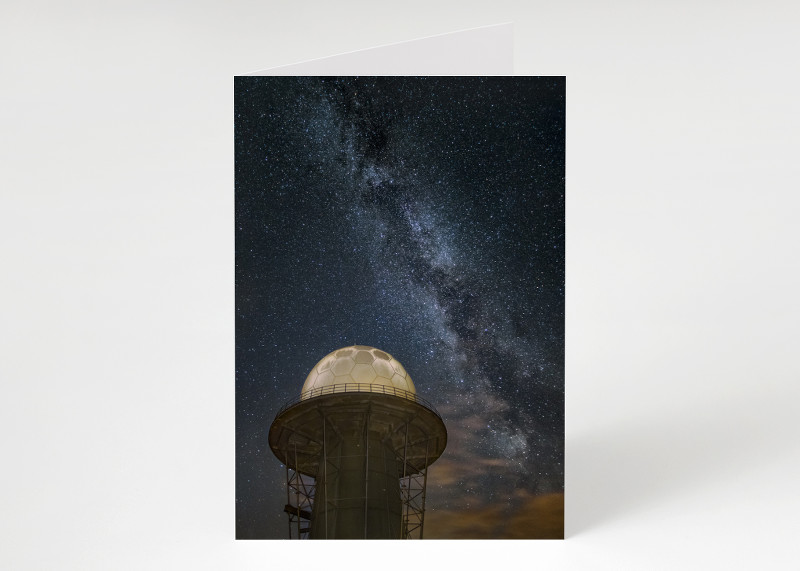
point(368, 454)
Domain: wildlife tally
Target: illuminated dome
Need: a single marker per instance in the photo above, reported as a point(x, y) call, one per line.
point(357, 368)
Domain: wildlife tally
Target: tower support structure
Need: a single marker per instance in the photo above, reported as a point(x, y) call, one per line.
point(356, 460)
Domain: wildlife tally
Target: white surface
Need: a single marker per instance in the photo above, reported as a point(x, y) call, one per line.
point(361, 367)
point(116, 243)
point(488, 50)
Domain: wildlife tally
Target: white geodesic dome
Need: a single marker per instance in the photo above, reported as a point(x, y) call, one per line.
point(357, 368)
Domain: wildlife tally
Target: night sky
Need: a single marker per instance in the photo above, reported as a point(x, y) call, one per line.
point(425, 217)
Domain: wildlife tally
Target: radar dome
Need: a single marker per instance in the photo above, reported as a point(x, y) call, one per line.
point(358, 368)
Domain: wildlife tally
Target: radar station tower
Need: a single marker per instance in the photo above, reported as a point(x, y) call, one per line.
point(356, 445)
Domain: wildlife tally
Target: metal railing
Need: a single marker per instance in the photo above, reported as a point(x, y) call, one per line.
point(358, 388)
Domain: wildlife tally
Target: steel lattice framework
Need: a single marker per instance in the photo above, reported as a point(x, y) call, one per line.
point(357, 456)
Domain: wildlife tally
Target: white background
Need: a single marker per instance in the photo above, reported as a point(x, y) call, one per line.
point(116, 245)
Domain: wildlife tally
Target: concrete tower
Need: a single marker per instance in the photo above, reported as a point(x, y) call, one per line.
point(356, 445)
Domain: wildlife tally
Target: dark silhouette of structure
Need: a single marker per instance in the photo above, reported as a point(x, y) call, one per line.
point(357, 444)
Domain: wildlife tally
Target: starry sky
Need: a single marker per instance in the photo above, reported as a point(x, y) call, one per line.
point(425, 217)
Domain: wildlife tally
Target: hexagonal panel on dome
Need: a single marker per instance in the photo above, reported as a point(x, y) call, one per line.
point(325, 364)
point(399, 382)
point(383, 368)
point(364, 357)
point(363, 373)
point(324, 378)
point(398, 367)
point(342, 366)
point(344, 352)
point(381, 355)
point(342, 379)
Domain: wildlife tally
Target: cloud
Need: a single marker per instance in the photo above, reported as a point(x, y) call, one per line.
point(472, 496)
point(535, 517)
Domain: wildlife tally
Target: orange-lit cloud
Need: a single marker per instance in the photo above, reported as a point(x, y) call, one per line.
point(458, 506)
point(536, 517)
point(488, 484)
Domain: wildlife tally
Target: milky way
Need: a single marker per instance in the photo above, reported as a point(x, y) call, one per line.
point(423, 216)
